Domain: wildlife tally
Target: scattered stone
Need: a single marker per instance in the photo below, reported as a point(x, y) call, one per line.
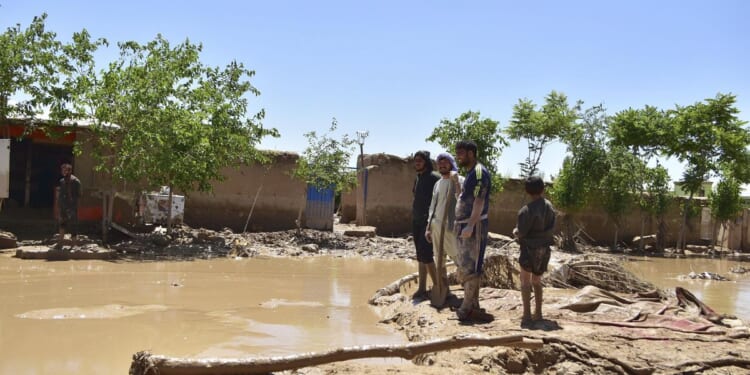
point(160, 239)
point(360, 231)
point(311, 248)
point(8, 240)
point(90, 251)
point(707, 276)
point(648, 240)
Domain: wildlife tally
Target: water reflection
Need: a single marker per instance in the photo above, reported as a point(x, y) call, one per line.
point(730, 297)
point(228, 308)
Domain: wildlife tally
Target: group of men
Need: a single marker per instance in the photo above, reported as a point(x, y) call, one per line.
point(452, 211)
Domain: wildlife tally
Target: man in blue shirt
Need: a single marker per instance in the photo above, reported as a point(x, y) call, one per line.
point(471, 226)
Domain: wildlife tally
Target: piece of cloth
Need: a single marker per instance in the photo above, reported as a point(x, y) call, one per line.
point(449, 157)
point(470, 256)
point(424, 248)
point(477, 184)
point(535, 260)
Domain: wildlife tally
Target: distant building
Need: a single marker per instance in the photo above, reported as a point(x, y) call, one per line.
point(705, 189)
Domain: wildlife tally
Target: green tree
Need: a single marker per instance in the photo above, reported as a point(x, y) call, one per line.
point(42, 73)
point(620, 185)
point(656, 200)
point(483, 131)
point(577, 183)
point(643, 131)
point(710, 138)
point(541, 126)
point(324, 163)
point(180, 122)
point(725, 202)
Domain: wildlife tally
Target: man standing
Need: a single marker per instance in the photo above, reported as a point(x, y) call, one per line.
point(441, 221)
point(422, 190)
point(534, 230)
point(471, 226)
point(68, 195)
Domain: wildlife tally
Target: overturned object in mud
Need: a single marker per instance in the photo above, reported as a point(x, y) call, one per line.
point(144, 363)
point(738, 269)
point(707, 276)
point(602, 271)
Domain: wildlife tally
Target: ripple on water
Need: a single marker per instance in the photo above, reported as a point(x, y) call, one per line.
point(113, 311)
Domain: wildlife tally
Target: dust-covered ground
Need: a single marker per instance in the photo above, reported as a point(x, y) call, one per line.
point(589, 330)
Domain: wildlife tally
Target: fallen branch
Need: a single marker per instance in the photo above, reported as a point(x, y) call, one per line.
point(627, 367)
point(720, 362)
point(144, 363)
point(396, 286)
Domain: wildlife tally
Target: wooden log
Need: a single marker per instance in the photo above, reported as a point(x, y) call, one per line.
point(144, 363)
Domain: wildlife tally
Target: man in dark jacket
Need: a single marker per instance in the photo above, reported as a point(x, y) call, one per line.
point(423, 185)
point(69, 192)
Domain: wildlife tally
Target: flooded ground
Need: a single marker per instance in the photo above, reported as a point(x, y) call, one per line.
point(89, 317)
point(730, 297)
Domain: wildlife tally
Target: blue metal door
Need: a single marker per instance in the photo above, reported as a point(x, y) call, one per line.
point(319, 208)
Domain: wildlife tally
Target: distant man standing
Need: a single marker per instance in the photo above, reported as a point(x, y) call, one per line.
point(69, 192)
point(471, 226)
point(534, 230)
point(423, 185)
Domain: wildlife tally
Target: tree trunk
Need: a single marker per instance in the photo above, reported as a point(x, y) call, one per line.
point(146, 363)
point(614, 244)
point(683, 227)
point(569, 242)
point(661, 234)
point(643, 230)
point(169, 212)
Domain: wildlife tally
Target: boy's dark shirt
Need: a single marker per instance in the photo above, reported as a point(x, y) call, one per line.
point(536, 224)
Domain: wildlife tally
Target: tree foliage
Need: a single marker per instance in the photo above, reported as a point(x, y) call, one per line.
point(484, 132)
point(541, 126)
point(622, 182)
point(578, 181)
point(324, 162)
point(643, 131)
point(726, 200)
point(180, 121)
point(710, 138)
point(584, 166)
point(42, 73)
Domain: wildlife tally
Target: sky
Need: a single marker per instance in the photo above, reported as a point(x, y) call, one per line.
point(397, 68)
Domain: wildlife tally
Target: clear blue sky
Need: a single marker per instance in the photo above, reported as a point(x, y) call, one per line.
point(396, 68)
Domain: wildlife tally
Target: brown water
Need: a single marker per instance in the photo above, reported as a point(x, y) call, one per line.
point(89, 317)
point(730, 297)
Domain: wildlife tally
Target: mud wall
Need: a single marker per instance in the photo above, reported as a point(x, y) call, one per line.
point(280, 198)
point(388, 194)
point(389, 198)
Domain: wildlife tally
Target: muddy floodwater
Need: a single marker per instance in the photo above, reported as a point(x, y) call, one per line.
point(729, 297)
point(89, 317)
